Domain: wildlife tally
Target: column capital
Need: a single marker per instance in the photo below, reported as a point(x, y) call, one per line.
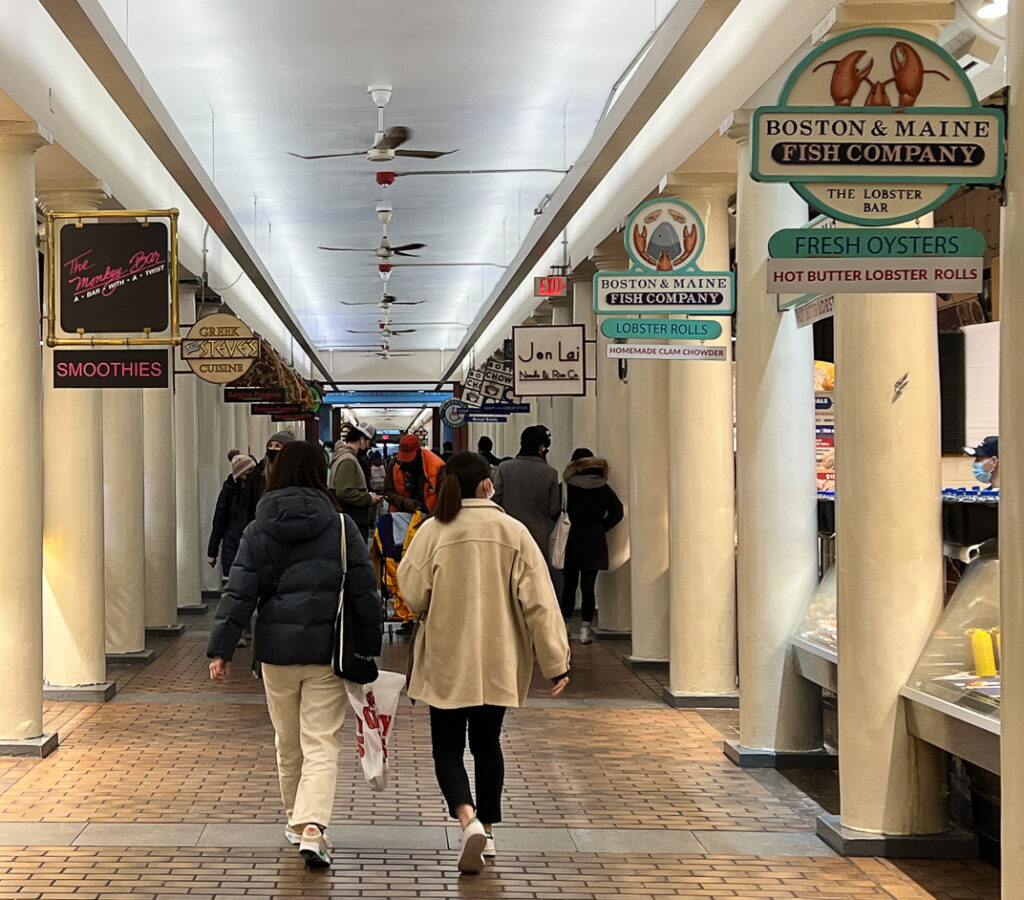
point(584, 270)
point(610, 255)
point(70, 194)
point(925, 17)
point(736, 126)
point(17, 135)
point(688, 184)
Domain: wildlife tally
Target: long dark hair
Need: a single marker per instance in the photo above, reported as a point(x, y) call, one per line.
point(300, 464)
point(460, 478)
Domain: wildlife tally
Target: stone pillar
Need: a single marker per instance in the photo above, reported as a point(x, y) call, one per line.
point(701, 491)
point(21, 526)
point(777, 568)
point(1011, 473)
point(211, 472)
point(888, 535)
point(74, 651)
point(124, 522)
point(241, 411)
point(614, 444)
point(226, 418)
point(560, 409)
point(584, 410)
point(161, 569)
point(186, 488)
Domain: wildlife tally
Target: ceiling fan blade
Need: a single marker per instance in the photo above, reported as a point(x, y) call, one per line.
point(409, 265)
point(369, 303)
point(405, 302)
point(425, 154)
point(476, 171)
point(394, 137)
point(327, 155)
point(401, 330)
point(348, 249)
point(354, 331)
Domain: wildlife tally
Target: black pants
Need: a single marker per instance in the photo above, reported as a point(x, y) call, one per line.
point(448, 740)
point(586, 579)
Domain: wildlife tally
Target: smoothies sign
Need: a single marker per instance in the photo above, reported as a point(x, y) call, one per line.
point(877, 126)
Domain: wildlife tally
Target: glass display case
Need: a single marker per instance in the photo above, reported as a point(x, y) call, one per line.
point(960, 662)
point(818, 625)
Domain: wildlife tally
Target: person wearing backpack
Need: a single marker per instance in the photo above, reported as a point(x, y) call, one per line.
point(289, 569)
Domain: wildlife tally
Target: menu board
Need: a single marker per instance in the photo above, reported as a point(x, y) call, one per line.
point(824, 426)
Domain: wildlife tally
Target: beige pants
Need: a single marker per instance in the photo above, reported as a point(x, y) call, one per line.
point(307, 706)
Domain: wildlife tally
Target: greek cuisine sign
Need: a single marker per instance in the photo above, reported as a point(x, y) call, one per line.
point(878, 126)
point(664, 239)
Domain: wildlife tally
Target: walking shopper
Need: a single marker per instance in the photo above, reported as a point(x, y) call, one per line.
point(481, 587)
point(288, 569)
point(594, 509)
point(233, 512)
point(527, 487)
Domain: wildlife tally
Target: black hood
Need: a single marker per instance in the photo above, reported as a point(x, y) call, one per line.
point(588, 472)
point(295, 514)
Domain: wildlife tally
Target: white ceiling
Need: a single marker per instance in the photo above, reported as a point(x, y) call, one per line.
point(511, 85)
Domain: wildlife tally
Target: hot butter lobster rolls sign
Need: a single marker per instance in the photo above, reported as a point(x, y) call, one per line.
point(878, 126)
point(664, 239)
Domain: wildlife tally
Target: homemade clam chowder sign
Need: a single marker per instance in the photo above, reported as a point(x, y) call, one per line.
point(664, 239)
point(877, 126)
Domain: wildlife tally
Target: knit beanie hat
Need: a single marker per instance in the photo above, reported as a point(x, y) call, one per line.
point(282, 437)
point(232, 453)
point(241, 464)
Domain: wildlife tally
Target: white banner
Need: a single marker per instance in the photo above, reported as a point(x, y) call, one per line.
point(819, 308)
point(878, 275)
point(668, 351)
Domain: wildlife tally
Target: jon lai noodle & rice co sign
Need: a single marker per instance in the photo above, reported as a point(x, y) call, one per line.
point(878, 126)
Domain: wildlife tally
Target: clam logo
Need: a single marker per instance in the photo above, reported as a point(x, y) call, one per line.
point(665, 236)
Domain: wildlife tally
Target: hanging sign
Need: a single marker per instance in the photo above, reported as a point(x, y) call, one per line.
point(480, 417)
point(718, 352)
point(113, 277)
point(254, 395)
point(899, 275)
point(547, 361)
point(288, 411)
point(814, 311)
point(490, 384)
point(664, 239)
point(220, 348)
point(946, 243)
point(453, 412)
point(551, 286)
point(878, 126)
point(670, 329)
point(110, 369)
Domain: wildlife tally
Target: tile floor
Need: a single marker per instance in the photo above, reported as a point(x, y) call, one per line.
point(170, 791)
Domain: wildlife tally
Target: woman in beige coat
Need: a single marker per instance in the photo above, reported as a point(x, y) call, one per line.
point(481, 585)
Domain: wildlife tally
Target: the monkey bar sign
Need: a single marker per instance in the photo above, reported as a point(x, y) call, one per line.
point(878, 126)
point(664, 239)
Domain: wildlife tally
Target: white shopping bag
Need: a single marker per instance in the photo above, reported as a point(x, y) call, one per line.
point(375, 705)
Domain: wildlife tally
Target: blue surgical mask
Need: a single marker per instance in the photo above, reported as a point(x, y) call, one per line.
point(980, 473)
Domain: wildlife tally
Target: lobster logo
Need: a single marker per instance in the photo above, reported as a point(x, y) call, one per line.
point(908, 76)
point(664, 250)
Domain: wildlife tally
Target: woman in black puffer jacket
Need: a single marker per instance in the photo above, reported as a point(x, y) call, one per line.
point(288, 569)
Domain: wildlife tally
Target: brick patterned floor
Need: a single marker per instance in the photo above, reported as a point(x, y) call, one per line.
point(178, 749)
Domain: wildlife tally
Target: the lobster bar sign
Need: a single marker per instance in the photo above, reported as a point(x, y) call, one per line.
point(878, 126)
point(664, 239)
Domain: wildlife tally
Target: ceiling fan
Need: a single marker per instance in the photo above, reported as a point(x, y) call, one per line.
point(384, 329)
point(385, 250)
point(386, 143)
point(386, 302)
point(385, 351)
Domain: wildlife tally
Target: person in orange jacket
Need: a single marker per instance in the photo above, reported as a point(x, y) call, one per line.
point(411, 481)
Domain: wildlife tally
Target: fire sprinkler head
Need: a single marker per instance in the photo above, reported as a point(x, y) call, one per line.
point(380, 93)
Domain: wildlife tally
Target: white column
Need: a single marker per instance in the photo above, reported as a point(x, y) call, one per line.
point(226, 417)
point(584, 410)
point(186, 486)
point(614, 445)
point(561, 408)
point(161, 569)
point(888, 529)
point(700, 482)
point(241, 411)
point(777, 567)
point(211, 472)
point(74, 651)
point(124, 522)
point(1011, 472)
point(21, 481)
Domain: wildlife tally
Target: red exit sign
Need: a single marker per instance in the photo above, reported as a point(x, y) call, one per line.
point(551, 286)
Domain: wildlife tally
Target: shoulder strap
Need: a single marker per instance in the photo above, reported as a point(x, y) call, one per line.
point(344, 547)
point(565, 494)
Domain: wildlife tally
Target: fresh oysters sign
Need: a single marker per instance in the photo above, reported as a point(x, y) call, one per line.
point(877, 126)
point(664, 239)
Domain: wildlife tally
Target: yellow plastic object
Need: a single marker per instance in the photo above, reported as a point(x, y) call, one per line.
point(984, 655)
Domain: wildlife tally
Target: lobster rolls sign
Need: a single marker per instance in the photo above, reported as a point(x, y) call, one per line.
point(878, 126)
point(664, 239)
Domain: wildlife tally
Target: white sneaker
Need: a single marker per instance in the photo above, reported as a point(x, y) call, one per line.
point(292, 835)
point(586, 635)
point(474, 840)
point(489, 851)
point(313, 846)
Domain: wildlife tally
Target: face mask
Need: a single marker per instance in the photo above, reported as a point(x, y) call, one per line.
point(980, 473)
point(271, 455)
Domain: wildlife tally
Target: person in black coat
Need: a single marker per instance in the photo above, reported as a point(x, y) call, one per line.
point(235, 509)
point(594, 509)
point(289, 570)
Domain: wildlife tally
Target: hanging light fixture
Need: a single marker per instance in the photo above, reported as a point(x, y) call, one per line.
point(992, 9)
